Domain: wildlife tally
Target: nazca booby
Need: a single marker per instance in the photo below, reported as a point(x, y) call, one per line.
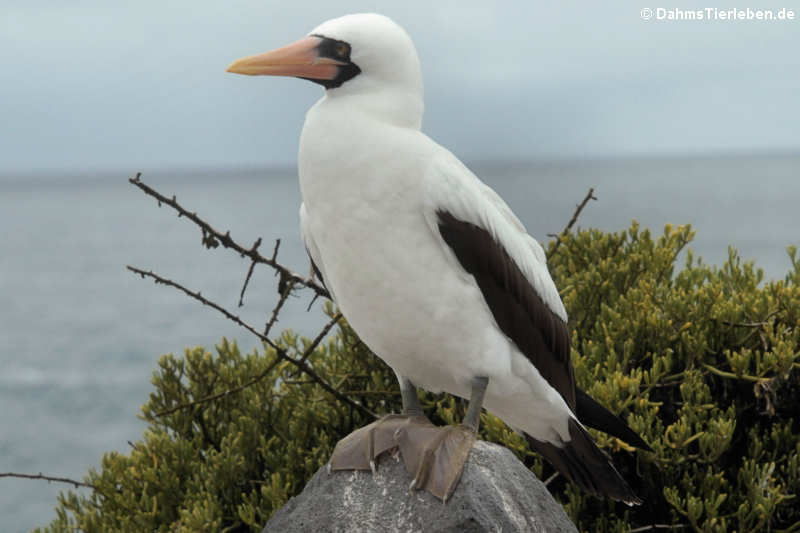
point(430, 267)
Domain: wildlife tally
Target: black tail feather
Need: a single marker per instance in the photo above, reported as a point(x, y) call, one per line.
point(583, 463)
point(594, 415)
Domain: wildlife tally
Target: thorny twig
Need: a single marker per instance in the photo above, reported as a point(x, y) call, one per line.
point(751, 324)
point(578, 209)
point(252, 266)
point(654, 527)
point(285, 292)
point(282, 354)
point(307, 352)
point(321, 335)
point(50, 479)
point(550, 479)
point(213, 238)
point(222, 394)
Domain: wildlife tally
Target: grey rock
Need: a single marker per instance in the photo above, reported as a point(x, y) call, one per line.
point(496, 493)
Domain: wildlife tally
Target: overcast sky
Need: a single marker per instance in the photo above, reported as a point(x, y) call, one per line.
point(93, 85)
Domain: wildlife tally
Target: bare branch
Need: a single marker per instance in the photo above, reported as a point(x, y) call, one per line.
point(222, 394)
point(334, 319)
point(314, 299)
point(50, 479)
point(213, 238)
point(287, 290)
point(752, 324)
point(250, 271)
point(282, 354)
point(658, 526)
point(275, 249)
point(307, 352)
point(744, 324)
point(551, 479)
point(575, 215)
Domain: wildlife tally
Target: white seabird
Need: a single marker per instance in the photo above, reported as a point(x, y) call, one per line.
point(430, 267)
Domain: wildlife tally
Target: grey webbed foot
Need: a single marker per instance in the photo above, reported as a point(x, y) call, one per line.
point(360, 449)
point(435, 456)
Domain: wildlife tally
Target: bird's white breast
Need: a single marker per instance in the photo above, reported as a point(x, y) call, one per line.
point(362, 182)
point(392, 279)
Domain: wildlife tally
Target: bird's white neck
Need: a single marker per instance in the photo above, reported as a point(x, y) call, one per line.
point(397, 106)
point(348, 139)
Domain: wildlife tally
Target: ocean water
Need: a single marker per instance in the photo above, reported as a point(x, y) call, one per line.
point(80, 335)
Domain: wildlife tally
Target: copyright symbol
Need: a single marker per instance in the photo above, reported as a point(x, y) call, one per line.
point(646, 13)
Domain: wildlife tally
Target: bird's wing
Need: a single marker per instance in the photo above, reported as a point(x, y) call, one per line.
point(313, 251)
point(486, 239)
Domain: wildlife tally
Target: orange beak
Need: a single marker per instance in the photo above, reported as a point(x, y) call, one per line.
point(299, 59)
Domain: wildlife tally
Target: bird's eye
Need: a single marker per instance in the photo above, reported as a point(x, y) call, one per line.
point(342, 50)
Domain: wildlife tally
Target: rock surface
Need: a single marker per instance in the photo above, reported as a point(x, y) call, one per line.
point(496, 493)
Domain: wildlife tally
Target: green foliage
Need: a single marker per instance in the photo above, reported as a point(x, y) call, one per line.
point(703, 362)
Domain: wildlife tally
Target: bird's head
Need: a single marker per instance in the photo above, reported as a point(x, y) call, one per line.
point(354, 53)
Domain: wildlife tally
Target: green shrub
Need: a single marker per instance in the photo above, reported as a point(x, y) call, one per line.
point(704, 363)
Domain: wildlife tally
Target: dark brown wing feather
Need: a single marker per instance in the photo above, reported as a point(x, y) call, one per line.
point(594, 415)
point(542, 336)
point(518, 309)
point(315, 268)
point(583, 463)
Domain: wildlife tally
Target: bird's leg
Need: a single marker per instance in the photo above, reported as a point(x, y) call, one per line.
point(434, 456)
point(408, 393)
point(473, 417)
point(361, 448)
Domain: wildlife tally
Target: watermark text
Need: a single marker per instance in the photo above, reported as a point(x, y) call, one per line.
point(714, 14)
